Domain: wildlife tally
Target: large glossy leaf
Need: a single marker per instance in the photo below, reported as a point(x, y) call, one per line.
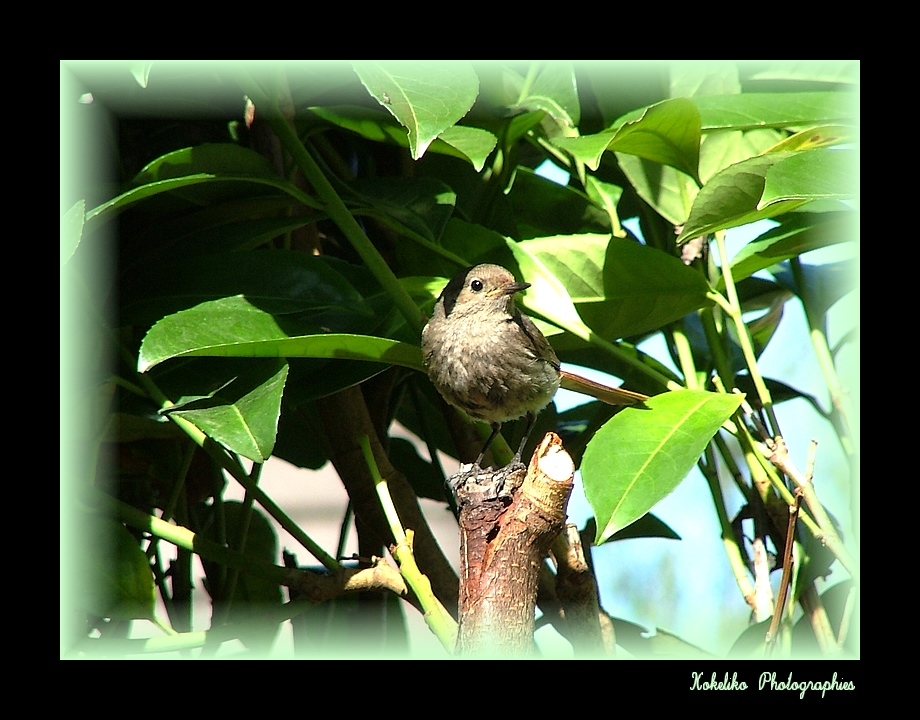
point(115, 574)
point(666, 133)
point(542, 207)
point(234, 327)
point(820, 174)
point(551, 89)
point(672, 193)
point(619, 287)
point(769, 185)
point(277, 281)
point(242, 414)
point(468, 143)
point(642, 454)
point(184, 170)
point(426, 98)
point(732, 198)
point(775, 110)
point(798, 233)
point(423, 205)
point(547, 296)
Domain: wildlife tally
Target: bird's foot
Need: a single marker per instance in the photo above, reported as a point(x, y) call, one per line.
point(465, 473)
point(472, 480)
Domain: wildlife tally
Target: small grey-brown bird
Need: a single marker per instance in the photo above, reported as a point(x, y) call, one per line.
point(489, 360)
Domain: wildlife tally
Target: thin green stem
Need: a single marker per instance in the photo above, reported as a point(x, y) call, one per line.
point(715, 341)
point(229, 589)
point(729, 541)
point(184, 538)
point(733, 309)
point(333, 204)
point(685, 356)
point(436, 616)
point(844, 414)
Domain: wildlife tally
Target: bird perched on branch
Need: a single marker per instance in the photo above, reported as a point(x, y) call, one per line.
point(489, 360)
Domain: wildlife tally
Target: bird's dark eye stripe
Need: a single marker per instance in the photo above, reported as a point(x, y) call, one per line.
point(476, 285)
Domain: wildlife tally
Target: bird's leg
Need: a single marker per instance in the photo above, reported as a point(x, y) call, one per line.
point(531, 419)
point(457, 480)
point(495, 428)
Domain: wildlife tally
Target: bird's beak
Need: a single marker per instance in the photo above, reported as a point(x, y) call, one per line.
point(512, 288)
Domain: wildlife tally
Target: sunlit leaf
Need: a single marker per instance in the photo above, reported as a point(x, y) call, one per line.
point(233, 327)
point(665, 133)
point(642, 454)
point(426, 98)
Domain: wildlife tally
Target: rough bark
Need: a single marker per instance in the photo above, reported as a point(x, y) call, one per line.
point(508, 521)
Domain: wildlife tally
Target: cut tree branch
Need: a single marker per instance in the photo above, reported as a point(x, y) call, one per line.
point(508, 521)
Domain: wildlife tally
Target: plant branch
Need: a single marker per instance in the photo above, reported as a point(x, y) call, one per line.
point(438, 619)
point(733, 308)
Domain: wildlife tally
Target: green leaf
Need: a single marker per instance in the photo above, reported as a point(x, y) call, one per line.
point(769, 185)
point(277, 281)
point(423, 205)
point(242, 415)
point(829, 71)
point(606, 195)
point(553, 90)
point(234, 327)
point(467, 143)
point(822, 285)
point(618, 287)
point(71, 230)
point(547, 297)
point(204, 164)
point(211, 158)
point(732, 198)
point(816, 137)
point(797, 234)
point(542, 207)
point(641, 455)
point(474, 144)
point(644, 289)
point(426, 98)
point(721, 150)
point(667, 133)
point(821, 174)
point(750, 111)
point(671, 193)
point(116, 576)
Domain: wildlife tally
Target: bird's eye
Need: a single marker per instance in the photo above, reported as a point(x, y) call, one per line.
point(476, 285)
